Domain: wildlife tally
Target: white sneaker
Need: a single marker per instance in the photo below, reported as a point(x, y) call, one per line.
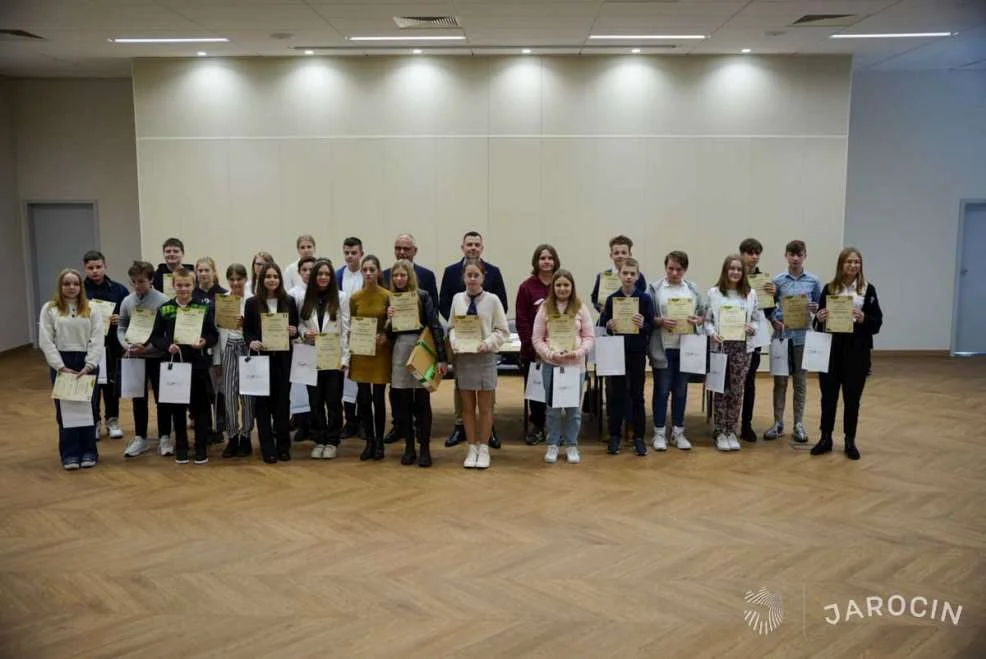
point(722, 443)
point(166, 445)
point(734, 444)
point(800, 435)
point(551, 455)
point(328, 452)
point(678, 438)
point(572, 455)
point(317, 452)
point(116, 432)
point(660, 439)
point(136, 446)
point(471, 457)
point(483, 460)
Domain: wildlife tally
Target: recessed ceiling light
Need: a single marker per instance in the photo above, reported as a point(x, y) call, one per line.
point(201, 53)
point(309, 52)
point(634, 50)
point(898, 35)
point(745, 50)
point(169, 40)
point(416, 51)
point(526, 51)
point(416, 38)
point(635, 37)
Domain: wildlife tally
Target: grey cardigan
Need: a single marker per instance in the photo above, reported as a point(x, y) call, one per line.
point(655, 350)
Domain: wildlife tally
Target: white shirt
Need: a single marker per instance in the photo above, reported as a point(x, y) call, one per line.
point(351, 281)
point(666, 292)
point(291, 276)
point(857, 299)
point(298, 293)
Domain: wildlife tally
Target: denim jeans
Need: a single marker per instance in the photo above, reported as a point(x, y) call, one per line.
point(563, 423)
point(670, 380)
point(74, 443)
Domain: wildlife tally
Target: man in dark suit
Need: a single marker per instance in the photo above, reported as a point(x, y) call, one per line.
point(452, 283)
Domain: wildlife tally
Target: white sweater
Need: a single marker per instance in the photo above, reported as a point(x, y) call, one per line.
point(716, 300)
point(341, 326)
point(70, 333)
point(491, 317)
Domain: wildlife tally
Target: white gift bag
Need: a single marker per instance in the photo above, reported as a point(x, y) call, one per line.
point(303, 365)
point(764, 333)
point(610, 359)
point(535, 384)
point(132, 375)
point(693, 349)
point(254, 375)
point(715, 381)
point(175, 384)
point(102, 377)
point(299, 399)
point(815, 357)
point(778, 358)
point(349, 391)
point(76, 414)
point(566, 387)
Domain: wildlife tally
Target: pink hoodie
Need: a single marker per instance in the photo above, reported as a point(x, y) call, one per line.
point(584, 329)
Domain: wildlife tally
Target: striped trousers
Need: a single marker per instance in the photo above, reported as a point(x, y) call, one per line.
point(239, 409)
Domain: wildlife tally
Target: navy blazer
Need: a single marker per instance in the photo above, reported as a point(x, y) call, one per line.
point(426, 281)
point(452, 283)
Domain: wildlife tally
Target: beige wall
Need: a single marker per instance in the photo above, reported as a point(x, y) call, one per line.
point(14, 330)
point(696, 153)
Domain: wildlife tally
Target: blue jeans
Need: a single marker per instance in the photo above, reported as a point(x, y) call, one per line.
point(75, 443)
point(671, 381)
point(562, 422)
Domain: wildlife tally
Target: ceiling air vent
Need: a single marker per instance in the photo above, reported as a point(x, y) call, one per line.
point(19, 35)
point(426, 22)
point(826, 20)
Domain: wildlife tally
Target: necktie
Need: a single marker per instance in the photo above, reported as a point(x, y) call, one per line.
point(472, 304)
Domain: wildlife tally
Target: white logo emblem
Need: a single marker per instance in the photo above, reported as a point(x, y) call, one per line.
point(765, 612)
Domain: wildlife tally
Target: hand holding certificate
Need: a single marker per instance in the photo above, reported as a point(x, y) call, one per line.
point(141, 325)
point(363, 336)
point(795, 310)
point(188, 326)
point(228, 311)
point(680, 309)
point(328, 352)
point(561, 333)
point(758, 282)
point(69, 386)
point(406, 317)
point(732, 323)
point(624, 309)
point(840, 313)
point(105, 310)
point(274, 332)
point(468, 333)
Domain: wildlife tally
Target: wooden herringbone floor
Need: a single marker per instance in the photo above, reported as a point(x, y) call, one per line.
point(619, 556)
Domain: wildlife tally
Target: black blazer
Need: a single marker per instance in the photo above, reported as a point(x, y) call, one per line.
point(252, 328)
point(860, 342)
point(428, 317)
point(452, 283)
point(426, 281)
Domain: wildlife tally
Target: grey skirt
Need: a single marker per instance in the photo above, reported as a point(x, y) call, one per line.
point(400, 377)
point(476, 372)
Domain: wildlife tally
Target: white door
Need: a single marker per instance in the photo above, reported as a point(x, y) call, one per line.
point(60, 235)
point(970, 307)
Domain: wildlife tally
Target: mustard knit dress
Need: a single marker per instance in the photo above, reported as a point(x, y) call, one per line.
point(371, 304)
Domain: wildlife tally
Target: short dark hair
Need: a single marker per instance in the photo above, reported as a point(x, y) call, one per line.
point(236, 269)
point(677, 256)
point(632, 262)
point(537, 257)
point(352, 241)
point(183, 273)
point(795, 247)
point(174, 242)
point(307, 259)
point(471, 233)
point(141, 269)
point(476, 262)
point(620, 240)
point(751, 246)
point(93, 255)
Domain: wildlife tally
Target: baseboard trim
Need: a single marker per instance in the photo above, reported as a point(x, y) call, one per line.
point(17, 349)
point(911, 353)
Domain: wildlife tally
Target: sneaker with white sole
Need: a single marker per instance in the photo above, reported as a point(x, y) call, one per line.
point(329, 452)
point(471, 457)
point(800, 436)
point(551, 455)
point(734, 444)
point(113, 425)
point(166, 445)
point(88, 461)
point(775, 431)
point(318, 451)
point(678, 439)
point(660, 439)
point(483, 459)
point(722, 443)
point(136, 446)
point(71, 464)
point(572, 455)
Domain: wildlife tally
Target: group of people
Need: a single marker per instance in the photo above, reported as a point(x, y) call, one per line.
point(557, 332)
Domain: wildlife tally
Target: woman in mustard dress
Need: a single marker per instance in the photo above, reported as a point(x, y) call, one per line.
point(371, 373)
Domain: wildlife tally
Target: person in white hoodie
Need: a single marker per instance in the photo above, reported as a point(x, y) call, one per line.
point(70, 335)
point(732, 296)
point(562, 423)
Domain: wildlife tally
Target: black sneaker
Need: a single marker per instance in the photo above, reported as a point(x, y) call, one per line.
point(535, 437)
point(748, 434)
point(232, 446)
point(457, 437)
point(613, 448)
point(494, 441)
point(245, 448)
point(391, 436)
point(181, 456)
point(639, 448)
point(284, 456)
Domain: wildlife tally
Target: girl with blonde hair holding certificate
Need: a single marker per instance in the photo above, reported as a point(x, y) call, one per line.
point(478, 327)
point(70, 335)
point(370, 349)
point(849, 358)
point(563, 334)
point(731, 321)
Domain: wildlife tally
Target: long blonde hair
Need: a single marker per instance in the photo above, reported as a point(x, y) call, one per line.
point(836, 284)
point(412, 277)
point(58, 301)
point(551, 303)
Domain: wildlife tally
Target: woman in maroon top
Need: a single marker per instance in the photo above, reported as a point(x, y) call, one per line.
point(530, 295)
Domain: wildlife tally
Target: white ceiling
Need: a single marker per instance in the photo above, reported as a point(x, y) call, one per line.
point(75, 32)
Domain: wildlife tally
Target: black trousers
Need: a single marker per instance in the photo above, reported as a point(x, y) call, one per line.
point(198, 409)
point(273, 413)
point(110, 392)
point(750, 390)
point(325, 401)
point(627, 391)
point(372, 408)
point(847, 372)
point(412, 410)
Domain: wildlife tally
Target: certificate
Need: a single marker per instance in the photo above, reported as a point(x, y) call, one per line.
point(624, 309)
point(363, 336)
point(228, 311)
point(468, 333)
point(188, 325)
point(406, 317)
point(561, 333)
point(328, 352)
point(795, 310)
point(168, 285)
point(105, 309)
point(69, 386)
point(757, 282)
point(610, 356)
point(274, 332)
point(140, 327)
point(732, 323)
point(840, 313)
point(609, 283)
point(679, 309)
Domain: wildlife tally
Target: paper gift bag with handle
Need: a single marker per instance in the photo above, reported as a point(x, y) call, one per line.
point(254, 375)
point(423, 361)
point(132, 374)
point(175, 386)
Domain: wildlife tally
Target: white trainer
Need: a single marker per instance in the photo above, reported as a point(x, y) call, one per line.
point(471, 457)
point(317, 452)
point(483, 459)
point(113, 425)
point(166, 445)
point(660, 439)
point(328, 452)
point(734, 444)
point(572, 455)
point(722, 443)
point(136, 446)
point(551, 455)
point(678, 438)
